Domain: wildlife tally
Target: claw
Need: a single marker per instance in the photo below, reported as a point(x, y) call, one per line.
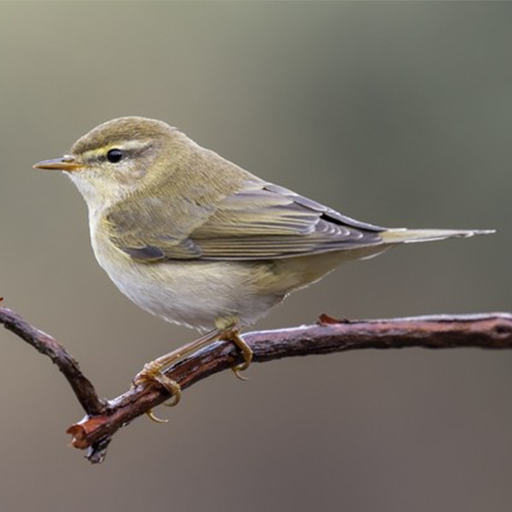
point(171, 386)
point(237, 369)
point(151, 415)
point(246, 351)
point(151, 373)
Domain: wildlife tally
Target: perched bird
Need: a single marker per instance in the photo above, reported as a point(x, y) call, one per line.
point(193, 238)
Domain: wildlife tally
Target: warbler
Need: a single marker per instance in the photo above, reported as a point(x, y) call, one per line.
point(196, 240)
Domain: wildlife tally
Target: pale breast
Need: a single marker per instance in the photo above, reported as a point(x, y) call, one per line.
point(192, 293)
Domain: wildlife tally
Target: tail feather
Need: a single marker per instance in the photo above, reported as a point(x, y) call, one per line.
point(407, 236)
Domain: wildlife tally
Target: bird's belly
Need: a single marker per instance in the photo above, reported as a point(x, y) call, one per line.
point(196, 294)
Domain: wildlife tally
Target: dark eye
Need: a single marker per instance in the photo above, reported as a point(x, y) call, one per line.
point(115, 155)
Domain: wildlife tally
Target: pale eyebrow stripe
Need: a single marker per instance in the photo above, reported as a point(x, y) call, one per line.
point(131, 145)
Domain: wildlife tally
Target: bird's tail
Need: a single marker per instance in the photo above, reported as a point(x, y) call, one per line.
point(407, 236)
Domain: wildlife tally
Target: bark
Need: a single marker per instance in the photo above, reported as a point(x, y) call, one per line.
point(103, 418)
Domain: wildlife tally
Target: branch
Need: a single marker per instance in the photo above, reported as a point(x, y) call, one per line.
point(94, 432)
point(49, 346)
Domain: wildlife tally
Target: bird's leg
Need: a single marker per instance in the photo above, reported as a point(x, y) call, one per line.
point(234, 336)
point(152, 371)
point(229, 330)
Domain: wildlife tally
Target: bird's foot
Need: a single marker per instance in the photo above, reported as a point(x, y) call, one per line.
point(247, 352)
point(152, 372)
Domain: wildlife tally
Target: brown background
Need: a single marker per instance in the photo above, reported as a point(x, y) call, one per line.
point(394, 113)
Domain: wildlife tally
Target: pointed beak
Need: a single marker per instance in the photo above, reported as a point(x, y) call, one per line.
point(66, 163)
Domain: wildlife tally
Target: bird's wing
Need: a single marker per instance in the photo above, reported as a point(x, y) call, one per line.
point(259, 221)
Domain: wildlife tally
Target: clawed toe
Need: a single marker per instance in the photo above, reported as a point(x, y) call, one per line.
point(151, 415)
point(152, 373)
point(246, 351)
point(238, 369)
point(171, 386)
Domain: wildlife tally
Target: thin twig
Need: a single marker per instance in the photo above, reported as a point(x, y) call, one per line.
point(49, 346)
point(95, 431)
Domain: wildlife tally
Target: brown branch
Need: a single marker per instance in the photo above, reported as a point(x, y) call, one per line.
point(95, 431)
point(50, 347)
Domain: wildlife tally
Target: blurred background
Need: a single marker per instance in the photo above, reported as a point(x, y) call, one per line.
point(394, 113)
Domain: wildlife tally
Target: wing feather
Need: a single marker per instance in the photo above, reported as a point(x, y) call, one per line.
point(258, 221)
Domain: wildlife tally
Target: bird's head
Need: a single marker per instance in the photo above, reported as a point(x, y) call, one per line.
point(119, 157)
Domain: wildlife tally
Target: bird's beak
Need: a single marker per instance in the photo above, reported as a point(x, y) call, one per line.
point(66, 163)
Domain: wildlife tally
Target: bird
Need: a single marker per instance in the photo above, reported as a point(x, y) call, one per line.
point(199, 241)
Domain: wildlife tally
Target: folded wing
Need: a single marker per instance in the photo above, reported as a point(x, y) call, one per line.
point(258, 221)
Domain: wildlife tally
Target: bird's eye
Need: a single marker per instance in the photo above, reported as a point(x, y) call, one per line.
point(115, 155)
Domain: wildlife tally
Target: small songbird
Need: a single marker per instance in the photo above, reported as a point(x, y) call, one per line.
point(195, 239)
